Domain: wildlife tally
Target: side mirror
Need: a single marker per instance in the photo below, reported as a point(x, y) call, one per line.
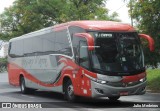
point(150, 41)
point(89, 38)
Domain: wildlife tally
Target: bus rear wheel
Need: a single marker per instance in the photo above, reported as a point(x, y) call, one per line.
point(23, 87)
point(69, 91)
point(114, 98)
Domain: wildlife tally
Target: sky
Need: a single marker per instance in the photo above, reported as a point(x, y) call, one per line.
point(113, 5)
point(120, 7)
point(5, 3)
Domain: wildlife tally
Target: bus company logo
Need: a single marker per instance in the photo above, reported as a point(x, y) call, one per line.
point(6, 105)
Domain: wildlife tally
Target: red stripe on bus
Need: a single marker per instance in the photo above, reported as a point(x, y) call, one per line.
point(133, 78)
point(28, 76)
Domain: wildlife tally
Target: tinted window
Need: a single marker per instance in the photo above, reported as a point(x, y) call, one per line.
point(28, 44)
point(75, 29)
point(13, 49)
point(75, 40)
point(9, 47)
point(84, 59)
point(16, 48)
point(37, 45)
point(19, 48)
point(49, 42)
point(63, 43)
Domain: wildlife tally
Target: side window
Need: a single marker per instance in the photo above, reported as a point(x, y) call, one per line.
point(49, 43)
point(75, 43)
point(16, 48)
point(75, 29)
point(19, 48)
point(83, 56)
point(28, 46)
point(37, 44)
point(63, 44)
point(9, 48)
point(12, 51)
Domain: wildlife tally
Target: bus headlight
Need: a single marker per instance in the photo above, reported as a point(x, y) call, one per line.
point(92, 78)
point(101, 81)
point(143, 79)
point(96, 80)
point(109, 78)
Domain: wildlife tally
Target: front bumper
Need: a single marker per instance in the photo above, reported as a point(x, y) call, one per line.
point(104, 90)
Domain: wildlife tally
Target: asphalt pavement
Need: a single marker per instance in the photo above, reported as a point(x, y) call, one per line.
point(55, 101)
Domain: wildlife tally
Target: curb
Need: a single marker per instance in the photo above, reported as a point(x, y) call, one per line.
point(153, 92)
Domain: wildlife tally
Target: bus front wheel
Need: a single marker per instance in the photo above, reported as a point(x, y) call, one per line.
point(69, 91)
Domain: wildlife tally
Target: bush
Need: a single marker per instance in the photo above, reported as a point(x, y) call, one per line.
point(3, 64)
point(153, 80)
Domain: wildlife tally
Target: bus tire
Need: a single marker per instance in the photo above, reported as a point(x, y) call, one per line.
point(114, 98)
point(69, 91)
point(23, 87)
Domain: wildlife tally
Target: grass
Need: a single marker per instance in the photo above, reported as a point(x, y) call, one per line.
point(153, 80)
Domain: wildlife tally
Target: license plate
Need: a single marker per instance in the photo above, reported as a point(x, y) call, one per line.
point(123, 93)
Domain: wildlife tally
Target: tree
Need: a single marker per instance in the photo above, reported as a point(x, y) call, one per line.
point(146, 15)
point(29, 15)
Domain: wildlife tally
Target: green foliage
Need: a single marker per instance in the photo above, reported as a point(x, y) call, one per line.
point(3, 64)
point(29, 15)
point(146, 15)
point(153, 78)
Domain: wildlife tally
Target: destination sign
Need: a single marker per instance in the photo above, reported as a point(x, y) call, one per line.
point(104, 35)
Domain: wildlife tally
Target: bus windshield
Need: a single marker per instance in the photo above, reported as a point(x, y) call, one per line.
point(117, 53)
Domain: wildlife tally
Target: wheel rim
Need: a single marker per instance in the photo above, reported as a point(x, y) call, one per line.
point(22, 86)
point(70, 91)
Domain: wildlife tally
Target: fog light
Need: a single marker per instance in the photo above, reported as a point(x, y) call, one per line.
point(103, 82)
point(130, 83)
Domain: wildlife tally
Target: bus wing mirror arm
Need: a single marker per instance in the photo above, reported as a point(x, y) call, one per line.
point(150, 41)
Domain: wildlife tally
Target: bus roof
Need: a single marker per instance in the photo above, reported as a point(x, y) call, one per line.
point(98, 25)
point(86, 24)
